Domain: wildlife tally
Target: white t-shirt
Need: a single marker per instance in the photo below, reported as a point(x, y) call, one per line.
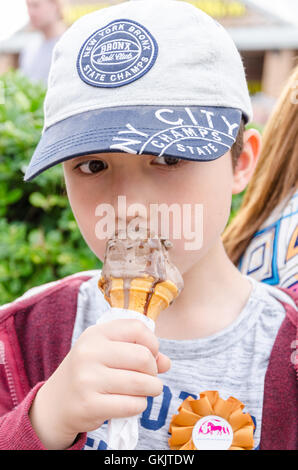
point(35, 59)
point(233, 361)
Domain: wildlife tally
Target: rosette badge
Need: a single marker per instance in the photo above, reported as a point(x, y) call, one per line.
point(211, 423)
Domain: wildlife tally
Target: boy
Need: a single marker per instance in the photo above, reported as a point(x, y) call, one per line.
point(145, 101)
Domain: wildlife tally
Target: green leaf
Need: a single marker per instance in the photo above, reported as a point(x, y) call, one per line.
point(22, 101)
point(54, 237)
point(38, 200)
point(13, 195)
point(36, 237)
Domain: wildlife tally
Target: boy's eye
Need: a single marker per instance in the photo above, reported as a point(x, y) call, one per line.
point(95, 166)
point(92, 166)
point(167, 161)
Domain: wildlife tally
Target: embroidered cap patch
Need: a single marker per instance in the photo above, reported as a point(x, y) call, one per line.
point(117, 54)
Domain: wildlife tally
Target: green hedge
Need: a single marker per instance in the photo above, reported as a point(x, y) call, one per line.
point(39, 238)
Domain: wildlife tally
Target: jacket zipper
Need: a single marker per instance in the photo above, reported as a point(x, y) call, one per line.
point(9, 376)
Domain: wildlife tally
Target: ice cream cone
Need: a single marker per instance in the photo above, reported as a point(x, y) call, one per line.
point(139, 293)
point(117, 293)
point(138, 275)
point(163, 295)
point(144, 295)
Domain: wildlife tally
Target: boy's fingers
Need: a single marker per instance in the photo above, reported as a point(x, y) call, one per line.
point(130, 357)
point(120, 406)
point(163, 363)
point(127, 382)
point(130, 331)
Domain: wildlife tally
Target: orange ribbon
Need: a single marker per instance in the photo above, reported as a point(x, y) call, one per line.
point(210, 403)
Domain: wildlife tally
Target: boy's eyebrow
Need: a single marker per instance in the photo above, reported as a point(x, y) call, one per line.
point(87, 156)
point(106, 155)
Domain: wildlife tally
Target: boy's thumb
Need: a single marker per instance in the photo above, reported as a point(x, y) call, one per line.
point(163, 363)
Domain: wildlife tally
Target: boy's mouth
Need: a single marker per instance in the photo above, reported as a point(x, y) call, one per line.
point(143, 234)
point(135, 231)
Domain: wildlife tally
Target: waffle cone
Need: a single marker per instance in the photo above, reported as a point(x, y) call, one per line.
point(145, 295)
point(140, 290)
point(137, 298)
point(116, 295)
point(163, 295)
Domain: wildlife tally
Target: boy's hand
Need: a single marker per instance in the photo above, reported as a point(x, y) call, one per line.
point(108, 373)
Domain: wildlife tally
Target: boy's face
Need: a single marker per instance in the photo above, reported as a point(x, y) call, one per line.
point(42, 12)
point(98, 179)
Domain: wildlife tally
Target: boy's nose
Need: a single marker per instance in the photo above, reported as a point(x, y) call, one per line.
point(131, 184)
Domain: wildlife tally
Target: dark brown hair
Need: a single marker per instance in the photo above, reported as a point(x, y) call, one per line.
point(237, 147)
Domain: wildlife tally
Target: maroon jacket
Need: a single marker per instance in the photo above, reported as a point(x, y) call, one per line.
point(35, 336)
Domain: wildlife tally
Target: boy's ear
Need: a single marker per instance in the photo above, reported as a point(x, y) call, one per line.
point(247, 160)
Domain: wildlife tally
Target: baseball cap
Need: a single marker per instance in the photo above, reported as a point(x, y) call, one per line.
point(156, 77)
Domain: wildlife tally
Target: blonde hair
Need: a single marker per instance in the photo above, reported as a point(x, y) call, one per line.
point(275, 177)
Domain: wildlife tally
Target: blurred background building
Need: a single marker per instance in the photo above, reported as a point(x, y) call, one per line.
point(266, 37)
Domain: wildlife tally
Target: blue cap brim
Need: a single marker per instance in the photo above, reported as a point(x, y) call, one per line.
point(200, 133)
